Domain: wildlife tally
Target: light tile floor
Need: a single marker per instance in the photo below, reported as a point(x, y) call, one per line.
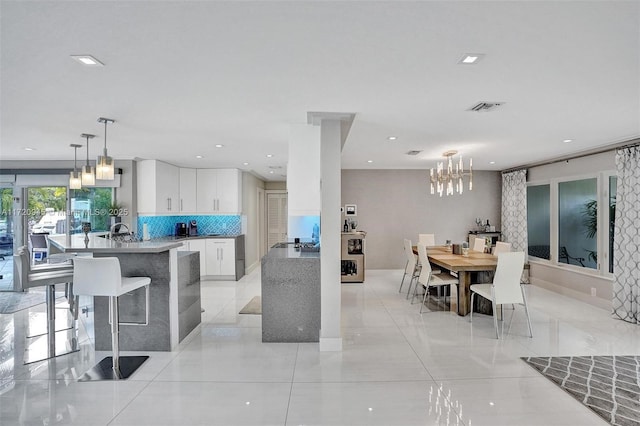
point(397, 367)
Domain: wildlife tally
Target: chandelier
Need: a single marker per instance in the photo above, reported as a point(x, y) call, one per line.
point(444, 180)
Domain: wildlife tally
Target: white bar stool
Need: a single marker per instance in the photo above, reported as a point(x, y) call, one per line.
point(102, 276)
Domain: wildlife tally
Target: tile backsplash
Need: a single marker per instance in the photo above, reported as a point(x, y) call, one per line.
point(163, 226)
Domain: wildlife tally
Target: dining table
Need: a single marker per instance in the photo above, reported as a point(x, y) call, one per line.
point(463, 266)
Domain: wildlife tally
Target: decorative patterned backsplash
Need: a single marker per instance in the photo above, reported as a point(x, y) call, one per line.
point(163, 226)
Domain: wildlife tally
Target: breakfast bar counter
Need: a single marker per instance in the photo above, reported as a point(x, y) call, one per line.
point(174, 292)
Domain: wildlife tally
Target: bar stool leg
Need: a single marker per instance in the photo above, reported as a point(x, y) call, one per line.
point(115, 338)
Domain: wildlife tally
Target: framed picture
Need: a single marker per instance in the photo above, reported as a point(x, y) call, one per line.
point(350, 210)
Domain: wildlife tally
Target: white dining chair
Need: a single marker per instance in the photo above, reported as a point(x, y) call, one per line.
point(506, 287)
point(428, 240)
point(411, 267)
point(427, 279)
point(479, 244)
point(501, 248)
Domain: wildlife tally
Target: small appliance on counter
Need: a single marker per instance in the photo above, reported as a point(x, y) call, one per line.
point(181, 229)
point(193, 228)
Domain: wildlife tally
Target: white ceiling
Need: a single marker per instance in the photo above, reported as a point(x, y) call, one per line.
point(181, 76)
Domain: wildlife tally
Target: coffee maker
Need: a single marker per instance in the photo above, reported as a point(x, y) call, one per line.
point(193, 228)
point(181, 229)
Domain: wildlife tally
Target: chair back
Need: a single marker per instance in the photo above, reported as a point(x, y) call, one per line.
point(97, 276)
point(39, 241)
point(425, 272)
point(411, 258)
point(479, 244)
point(427, 240)
point(506, 281)
point(501, 248)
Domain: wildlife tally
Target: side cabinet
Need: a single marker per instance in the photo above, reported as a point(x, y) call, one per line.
point(221, 257)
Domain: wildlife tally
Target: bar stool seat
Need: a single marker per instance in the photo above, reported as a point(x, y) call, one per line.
point(102, 276)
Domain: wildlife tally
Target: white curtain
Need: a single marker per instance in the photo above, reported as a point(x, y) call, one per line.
point(626, 240)
point(514, 209)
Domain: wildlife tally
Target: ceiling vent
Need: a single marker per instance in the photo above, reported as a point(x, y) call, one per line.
point(413, 152)
point(485, 106)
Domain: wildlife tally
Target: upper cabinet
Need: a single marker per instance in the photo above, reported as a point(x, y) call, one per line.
point(164, 189)
point(219, 191)
point(158, 187)
point(188, 191)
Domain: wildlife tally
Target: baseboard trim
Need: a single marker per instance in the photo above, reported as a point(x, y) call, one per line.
point(330, 344)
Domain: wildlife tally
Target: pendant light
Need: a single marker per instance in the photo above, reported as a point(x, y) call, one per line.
point(88, 172)
point(75, 181)
point(104, 165)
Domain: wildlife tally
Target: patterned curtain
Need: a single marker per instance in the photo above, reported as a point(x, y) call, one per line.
point(626, 240)
point(514, 209)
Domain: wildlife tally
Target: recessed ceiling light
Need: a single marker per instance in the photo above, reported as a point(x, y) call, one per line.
point(567, 140)
point(198, 156)
point(471, 58)
point(392, 138)
point(88, 60)
point(269, 155)
point(492, 162)
point(271, 171)
point(369, 161)
point(29, 149)
point(245, 164)
point(219, 145)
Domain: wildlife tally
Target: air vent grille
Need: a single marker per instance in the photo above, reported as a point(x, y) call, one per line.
point(413, 152)
point(485, 106)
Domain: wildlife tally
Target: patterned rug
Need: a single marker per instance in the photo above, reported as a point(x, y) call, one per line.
point(11, 302)
point(253, 307)
point(608, 385)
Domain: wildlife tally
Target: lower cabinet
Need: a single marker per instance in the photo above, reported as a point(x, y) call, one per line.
point(221, 257)
point(200, 246)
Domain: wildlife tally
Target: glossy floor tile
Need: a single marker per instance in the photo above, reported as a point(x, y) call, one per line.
point(397, 367)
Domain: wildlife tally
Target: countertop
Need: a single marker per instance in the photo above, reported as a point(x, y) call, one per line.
point(75, 243)
point(198, 237)
point(291, 252)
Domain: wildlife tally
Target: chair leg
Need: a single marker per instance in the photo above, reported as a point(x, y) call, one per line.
point(526, 310)
point(473, 295)
point(424, 298)
point(495, 316)
point(403, 275)
point(115, 344)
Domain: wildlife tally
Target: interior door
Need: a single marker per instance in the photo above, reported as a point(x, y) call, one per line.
point(276, 218)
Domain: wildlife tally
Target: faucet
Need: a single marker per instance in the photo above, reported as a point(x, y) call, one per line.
point(116, 229)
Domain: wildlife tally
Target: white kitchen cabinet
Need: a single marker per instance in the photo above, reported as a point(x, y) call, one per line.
point(158, 187)
point(188, 193)
point(200, 245)
point(185, 246)
point(219, 191)
point(221, 256)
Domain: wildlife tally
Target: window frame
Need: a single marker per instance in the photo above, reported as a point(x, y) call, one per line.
point(602, 236)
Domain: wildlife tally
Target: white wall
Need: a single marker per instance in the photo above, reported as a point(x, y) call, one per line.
point(397, 204)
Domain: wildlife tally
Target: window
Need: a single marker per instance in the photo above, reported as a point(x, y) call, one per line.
point(91, 205)
point(539, 221)
point(578, 222)
point(571, 222)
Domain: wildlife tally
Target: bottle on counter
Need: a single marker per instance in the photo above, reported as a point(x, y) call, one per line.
point(345, 228)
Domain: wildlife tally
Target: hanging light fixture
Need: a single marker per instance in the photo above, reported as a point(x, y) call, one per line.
point(104, 165)
point(444, 180)
point(88, 172)
point(75, 181)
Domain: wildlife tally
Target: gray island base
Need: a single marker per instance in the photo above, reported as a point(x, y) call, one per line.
point(290, 295)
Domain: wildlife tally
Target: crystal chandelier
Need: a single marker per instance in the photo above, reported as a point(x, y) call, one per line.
point(444, 180)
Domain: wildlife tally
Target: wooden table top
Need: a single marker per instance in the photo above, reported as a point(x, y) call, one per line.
point(476, 261)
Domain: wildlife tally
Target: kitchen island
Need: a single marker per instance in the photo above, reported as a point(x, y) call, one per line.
point(174, 292)
point(290, 295)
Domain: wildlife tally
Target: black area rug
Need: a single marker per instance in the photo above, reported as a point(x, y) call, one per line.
point(11, 302)
point(608, 385)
